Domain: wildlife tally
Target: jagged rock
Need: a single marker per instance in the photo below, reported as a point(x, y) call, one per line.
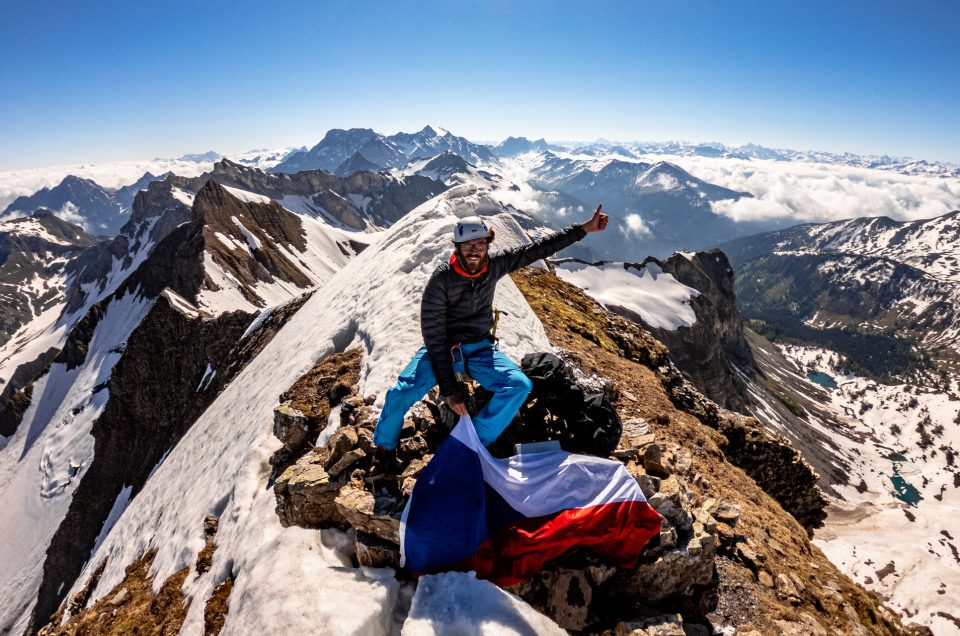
point(600, 574)
point(626, 454)
point(653, 461)
point(569, 597)
point(668, 538)
point(342, 441)
point(723, 510)
point(306, 496)
point(679, 461)
point(672, 503)
point(748, 556)
point(290, 426)
point(411, 472)
point(412, 448)
point(376, 515)
point(119, 597)
point(649, 484)
point(374, 552)
point(665, 625)
point(346, 461)
point(684, 575)
point(365, 441)
point(776, 466)
point(635, 427)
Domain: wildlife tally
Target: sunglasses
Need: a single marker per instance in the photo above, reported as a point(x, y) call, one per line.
point(474, 247)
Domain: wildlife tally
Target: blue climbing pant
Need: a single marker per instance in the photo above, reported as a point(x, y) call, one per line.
point(492, 369)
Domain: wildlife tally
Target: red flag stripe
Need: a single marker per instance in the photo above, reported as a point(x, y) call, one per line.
point(616, 531)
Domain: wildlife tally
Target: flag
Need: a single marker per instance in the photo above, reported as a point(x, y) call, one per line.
point(505, 518)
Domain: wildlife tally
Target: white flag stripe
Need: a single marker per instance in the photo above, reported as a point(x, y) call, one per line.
point(539, 484)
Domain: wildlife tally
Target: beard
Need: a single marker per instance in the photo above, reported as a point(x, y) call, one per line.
point(471, 261)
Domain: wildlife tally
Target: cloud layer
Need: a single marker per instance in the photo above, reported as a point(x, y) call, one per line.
point(808, 192)
point(17, 183)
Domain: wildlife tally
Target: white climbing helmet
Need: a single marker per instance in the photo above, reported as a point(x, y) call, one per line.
point(469, 228)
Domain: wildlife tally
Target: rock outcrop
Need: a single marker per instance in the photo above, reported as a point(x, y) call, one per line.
point(337, 484)
point(707, 351)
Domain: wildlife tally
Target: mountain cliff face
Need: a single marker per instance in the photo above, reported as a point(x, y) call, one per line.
point(710, 349)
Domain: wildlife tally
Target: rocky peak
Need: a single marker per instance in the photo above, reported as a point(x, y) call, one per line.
point(246, 235)
point(708, 350)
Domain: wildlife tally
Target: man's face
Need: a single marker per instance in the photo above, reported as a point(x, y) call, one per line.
point(473, 253)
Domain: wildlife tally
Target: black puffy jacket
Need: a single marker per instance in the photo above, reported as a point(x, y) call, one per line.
point(457, 309)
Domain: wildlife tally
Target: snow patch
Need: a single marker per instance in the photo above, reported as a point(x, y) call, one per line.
point(656, 296)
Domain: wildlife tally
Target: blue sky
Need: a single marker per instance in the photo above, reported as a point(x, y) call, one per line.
point(97, 81)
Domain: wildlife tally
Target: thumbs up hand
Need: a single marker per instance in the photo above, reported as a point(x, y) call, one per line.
point(597, 223)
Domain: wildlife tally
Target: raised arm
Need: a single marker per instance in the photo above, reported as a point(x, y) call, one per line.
point(518, 257)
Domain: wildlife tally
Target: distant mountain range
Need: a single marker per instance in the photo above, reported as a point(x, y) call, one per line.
point(345, 151)
point(99, 210)
point(659, 211)
point(874, 289)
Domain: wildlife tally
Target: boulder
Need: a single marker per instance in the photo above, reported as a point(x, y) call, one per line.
point(306, 497)
point(346, 461)
point(684, 575)
point(291, 426)
point(569, 597)
point(376, 515)
point(665, 625)
point(653, 460)
point(374, 552)
point(723, 510)
point(673, 504)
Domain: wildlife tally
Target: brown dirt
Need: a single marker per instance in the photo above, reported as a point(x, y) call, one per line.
point(325, 385)
point(131, 608)
point(766, 538)
point(215, 611)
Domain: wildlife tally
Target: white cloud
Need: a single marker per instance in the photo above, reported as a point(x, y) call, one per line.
point(803, 191)
point(634, 225)
point(17, 183)
point(71, 214)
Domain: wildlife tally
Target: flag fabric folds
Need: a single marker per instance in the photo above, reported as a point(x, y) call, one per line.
point(505, 518)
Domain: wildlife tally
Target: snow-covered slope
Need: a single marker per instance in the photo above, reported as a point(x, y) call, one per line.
point(371, 303)
point(646, 290)
point(887, 455)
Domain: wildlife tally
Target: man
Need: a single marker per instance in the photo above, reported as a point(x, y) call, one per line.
point(456, 318)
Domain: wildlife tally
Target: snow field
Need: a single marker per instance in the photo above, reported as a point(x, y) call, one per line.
point(866, 531)
point(656, 296)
